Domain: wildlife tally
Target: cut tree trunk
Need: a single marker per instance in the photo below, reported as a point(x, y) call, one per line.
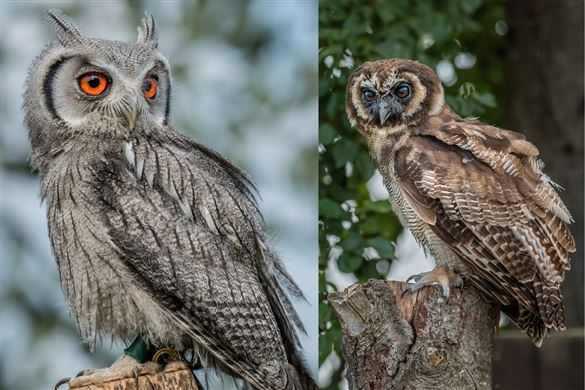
point(397, 340)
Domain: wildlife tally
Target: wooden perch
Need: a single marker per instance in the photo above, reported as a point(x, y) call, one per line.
point(417, 340)
point(175, 376)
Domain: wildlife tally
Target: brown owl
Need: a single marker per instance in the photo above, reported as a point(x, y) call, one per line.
point(474, 195)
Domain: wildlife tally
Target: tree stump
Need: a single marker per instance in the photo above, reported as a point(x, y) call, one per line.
point(175, 376)
point(397, 340)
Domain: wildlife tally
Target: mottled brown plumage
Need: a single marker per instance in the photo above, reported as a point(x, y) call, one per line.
point(474, 195)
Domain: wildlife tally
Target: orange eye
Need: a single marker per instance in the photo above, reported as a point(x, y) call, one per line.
point(93, 83)
point(149, 87)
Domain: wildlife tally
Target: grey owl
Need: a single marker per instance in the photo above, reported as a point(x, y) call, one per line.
point(473, 195)
point(154, 234)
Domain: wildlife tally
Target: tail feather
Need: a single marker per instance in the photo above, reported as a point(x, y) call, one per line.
point(549, 313)
point(533, 326)
point(551, 306)
point(284, 277)
point(529, 322)
point(298, 375)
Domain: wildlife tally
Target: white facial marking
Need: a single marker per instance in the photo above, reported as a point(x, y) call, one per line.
point(356, 97)
point(419, 94)
point(386, 131)
point(438, 102)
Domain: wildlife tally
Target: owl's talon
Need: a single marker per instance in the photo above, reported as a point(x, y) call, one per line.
point(440, 275)
point(61, 383)
point(88, 371)
point(415, 278)
point(150, 368)
point(171, 356)
point(124, 367)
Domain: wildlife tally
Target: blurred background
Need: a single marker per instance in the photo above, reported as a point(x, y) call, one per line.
point(259, 58)
point(514, 64)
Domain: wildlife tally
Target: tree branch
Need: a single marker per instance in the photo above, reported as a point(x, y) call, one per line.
point(397, 340)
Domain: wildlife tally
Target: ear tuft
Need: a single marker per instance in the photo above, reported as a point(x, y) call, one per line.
point(147, 34)
point(66, 30)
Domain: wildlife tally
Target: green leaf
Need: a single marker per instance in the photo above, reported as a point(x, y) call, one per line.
point(325, 347)
point(390, 226)
point(326, 134)
point(330, 209)
point(343, 151)
point(470, 6)
point(383, 246)
point(486, 99)
point(466, 90)
point(349, 263)
point(364, 166)
point(324, 312)
point(370, 225)
point(368, 271)
point(379, 206)
point(343, 194)
point(352, 242)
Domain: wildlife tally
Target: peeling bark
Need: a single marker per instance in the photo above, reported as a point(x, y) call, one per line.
point(417, 340)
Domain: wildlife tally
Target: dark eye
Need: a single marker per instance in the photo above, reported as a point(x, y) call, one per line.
point(368, 95)
point(402, 91)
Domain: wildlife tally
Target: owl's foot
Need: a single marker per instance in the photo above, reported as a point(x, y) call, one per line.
point(440, 275)
point(124, 367)
point(166, 355)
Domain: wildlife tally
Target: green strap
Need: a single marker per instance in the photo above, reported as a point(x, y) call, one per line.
point(140, 351)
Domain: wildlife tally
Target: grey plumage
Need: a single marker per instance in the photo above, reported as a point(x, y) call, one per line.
point(154, 234)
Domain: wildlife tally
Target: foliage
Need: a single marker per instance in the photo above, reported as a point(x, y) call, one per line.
point(466, 33)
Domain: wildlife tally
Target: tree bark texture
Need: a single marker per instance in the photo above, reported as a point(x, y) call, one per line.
point(398, 340)
point(544, 100)
point(175, 376)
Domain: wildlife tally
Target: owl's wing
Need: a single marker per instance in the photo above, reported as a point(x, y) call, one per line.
point(191, 232)
point(482, 191)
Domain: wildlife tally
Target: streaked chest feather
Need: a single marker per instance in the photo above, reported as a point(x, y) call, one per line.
point(406, 214)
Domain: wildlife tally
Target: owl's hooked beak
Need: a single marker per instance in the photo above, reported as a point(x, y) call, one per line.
point(388, 108)
point(384, 111)
point(132, 117)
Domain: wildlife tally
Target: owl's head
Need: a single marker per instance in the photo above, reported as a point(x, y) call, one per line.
point(392, 94)
point(95, 87)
